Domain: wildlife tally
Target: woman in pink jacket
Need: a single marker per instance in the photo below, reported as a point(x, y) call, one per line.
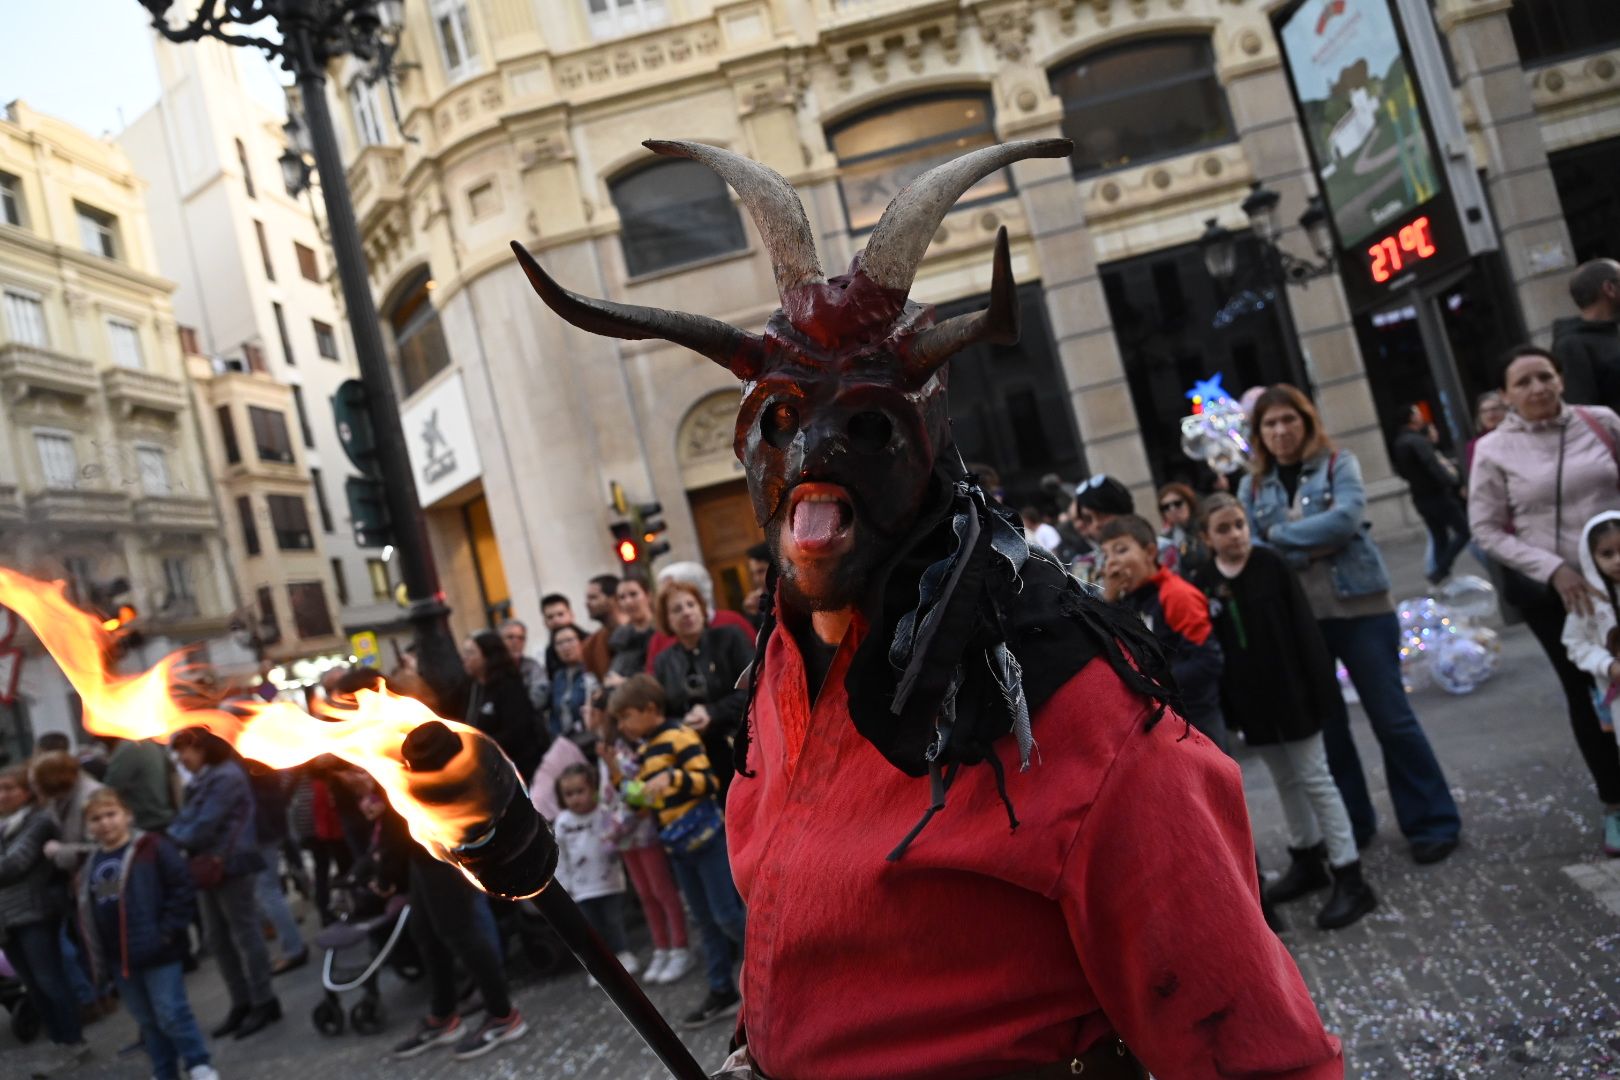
point(1546, 471)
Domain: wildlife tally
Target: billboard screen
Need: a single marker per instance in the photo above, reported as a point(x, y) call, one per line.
point(1361, 110)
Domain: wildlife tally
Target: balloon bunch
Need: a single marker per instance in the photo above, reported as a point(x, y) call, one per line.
point(1441, 642)
point(1217, 431)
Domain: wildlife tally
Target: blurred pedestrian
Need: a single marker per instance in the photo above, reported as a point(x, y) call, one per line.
point(699, 674)
point(1433, 483)
point(1587, 345)
point(572, 690)
point(588, 863)
point(1278, 684)
point(696, 575)
point(215, 828)
point(136, 902)
point(143, 775)
point(62, 788)
point(1490, 409)
point(1305, 498)
point(534, 674)
point(499, 705)
point(33, 904)
point(759, 569)
point(1541, 476)
point(270, 827)
point(601, 606)
point(629, 640)
point(1179, 511)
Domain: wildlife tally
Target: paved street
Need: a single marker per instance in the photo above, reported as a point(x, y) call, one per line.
point(1500, 962)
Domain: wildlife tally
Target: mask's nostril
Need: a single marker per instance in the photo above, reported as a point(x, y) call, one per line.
point(779, 424)
point(870, 432)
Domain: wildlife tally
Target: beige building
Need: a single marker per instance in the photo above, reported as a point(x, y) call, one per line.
point(258, 300)
point(103, 483)
point(523, 119)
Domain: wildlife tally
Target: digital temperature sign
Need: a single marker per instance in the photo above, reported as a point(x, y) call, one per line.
point(1411, 243)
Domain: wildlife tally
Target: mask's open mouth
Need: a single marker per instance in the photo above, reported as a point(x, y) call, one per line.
point(821, 518)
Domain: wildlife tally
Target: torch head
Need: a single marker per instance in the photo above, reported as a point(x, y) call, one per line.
point(509, 852)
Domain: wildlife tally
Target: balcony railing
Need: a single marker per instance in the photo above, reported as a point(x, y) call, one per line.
point(31, 369)
point(83, 507)
point(174, 513)
point(129, 390)
point(11, 511)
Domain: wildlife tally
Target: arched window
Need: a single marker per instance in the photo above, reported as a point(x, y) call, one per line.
point(1547, 30)
point(1148, 99)
point(674, 212)
point(418, 337)
point(881, 151)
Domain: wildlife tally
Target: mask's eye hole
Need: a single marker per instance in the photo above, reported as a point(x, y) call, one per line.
point(779, 424)
point(870, 432)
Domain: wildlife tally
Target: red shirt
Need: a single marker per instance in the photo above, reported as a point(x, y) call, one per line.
point(1126, 901)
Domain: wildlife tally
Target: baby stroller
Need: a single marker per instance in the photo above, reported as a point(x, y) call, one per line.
point(356, 948)
point(25, 1020)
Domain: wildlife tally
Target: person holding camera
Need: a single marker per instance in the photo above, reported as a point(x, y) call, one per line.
point(699, 673)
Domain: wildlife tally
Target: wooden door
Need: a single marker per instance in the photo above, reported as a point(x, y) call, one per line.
point(726, 530)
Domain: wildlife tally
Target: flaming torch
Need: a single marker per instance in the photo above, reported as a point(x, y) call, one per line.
point(460, 795)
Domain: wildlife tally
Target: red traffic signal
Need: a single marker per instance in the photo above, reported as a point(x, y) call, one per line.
point(624, 542)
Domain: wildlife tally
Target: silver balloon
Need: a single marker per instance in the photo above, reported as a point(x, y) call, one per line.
point(1462, 661)
point(1417, 612)
point(1468, 597)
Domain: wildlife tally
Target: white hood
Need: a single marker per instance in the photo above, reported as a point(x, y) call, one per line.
point(1588, 567)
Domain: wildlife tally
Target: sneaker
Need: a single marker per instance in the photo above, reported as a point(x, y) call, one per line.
point(654, 974)
point(678, 964)
point(428, 1035)
point(1611, 833)
point(490, 1034)
point(628, 961)
point(716, 1006)
point(205, 1071)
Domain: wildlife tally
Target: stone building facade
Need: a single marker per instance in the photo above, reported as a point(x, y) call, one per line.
point(259, 304)
point(523, 119)
point(103, 483)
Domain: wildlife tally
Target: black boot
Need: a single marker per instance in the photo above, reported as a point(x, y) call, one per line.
point(233, 1020)
point(259, 1018)
point(1352, 898)
point(1266, 909)
point(1305, 874)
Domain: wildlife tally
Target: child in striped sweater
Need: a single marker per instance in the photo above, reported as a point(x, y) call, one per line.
point(676, 782)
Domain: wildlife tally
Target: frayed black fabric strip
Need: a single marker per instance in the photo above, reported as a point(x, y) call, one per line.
point(938, 784)
point(1001, 788)
point(767, 625)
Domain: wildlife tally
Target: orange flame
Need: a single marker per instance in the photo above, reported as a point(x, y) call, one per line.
point(279, 734)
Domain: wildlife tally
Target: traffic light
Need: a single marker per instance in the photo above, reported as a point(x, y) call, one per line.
point(650, 518)
point(368, 511)
point(624, 542)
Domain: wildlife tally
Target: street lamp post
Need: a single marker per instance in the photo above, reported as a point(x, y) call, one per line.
point(1278, 268)
point(313, 32)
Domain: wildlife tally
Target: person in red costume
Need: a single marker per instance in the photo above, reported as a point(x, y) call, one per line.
point(973, 840)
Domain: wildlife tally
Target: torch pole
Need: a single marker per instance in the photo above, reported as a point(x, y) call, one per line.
point(587, 945)
point(513, 855)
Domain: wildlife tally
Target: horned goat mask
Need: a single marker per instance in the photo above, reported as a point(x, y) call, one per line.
point(847, 383)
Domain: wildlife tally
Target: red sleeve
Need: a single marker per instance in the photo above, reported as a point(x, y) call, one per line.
point(1164, 912)
point(1186, 610)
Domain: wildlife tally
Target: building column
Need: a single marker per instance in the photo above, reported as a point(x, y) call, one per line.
point(1524, 199)
point(1268, 128)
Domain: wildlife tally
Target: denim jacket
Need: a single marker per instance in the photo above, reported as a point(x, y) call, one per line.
point(1331, 522)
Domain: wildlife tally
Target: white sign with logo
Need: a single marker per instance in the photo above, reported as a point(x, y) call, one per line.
point(443, 448)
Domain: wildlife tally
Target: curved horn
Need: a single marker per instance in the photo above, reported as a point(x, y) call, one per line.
point(909, 222)
point(772, 203)
point(738, 351)
point(997, 324)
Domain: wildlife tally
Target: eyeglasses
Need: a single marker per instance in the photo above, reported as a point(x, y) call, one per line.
point(1172, 504)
